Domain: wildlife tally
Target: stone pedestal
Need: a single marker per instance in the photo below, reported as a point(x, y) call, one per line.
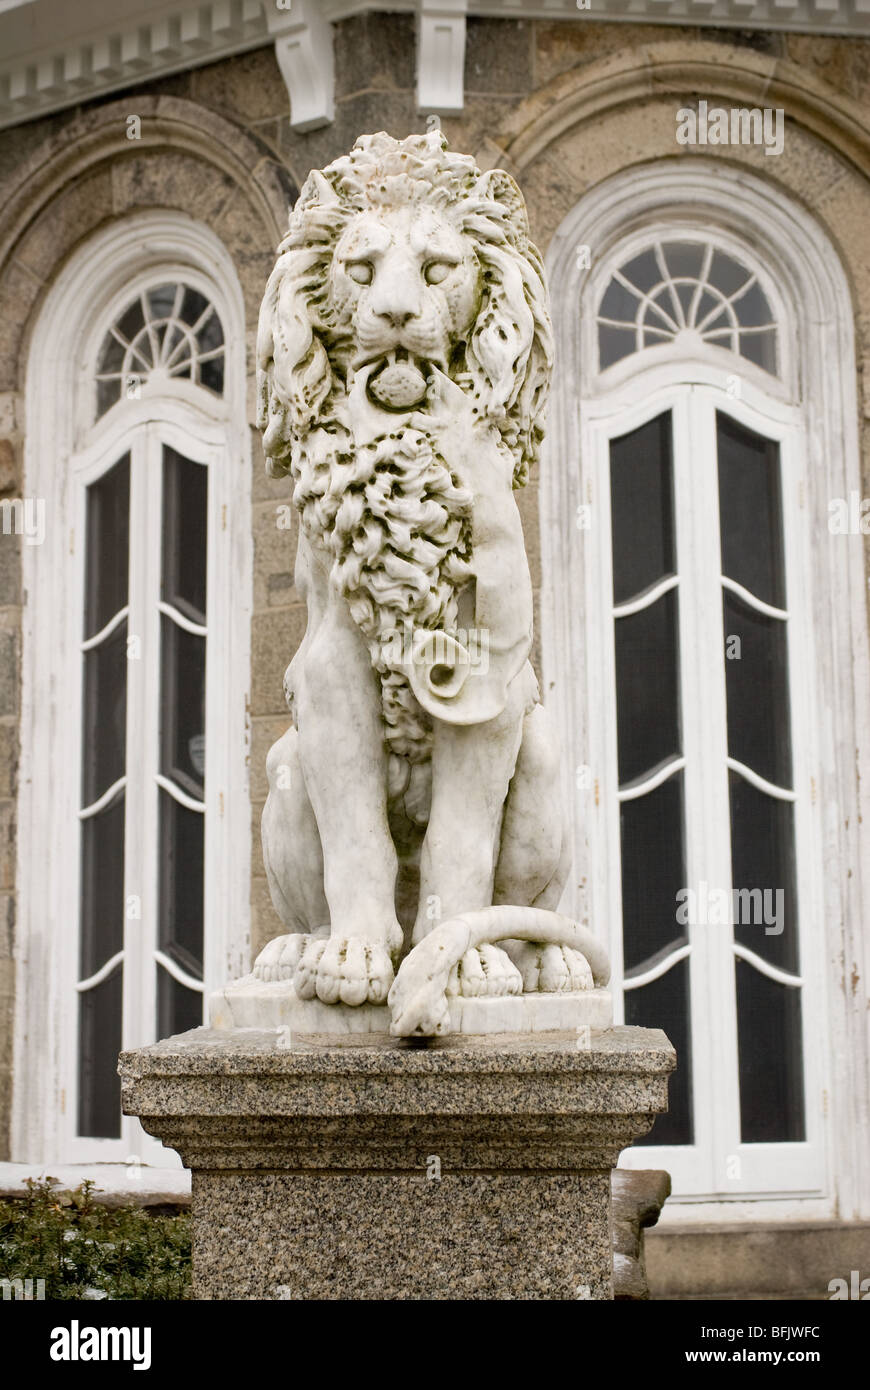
point(252, 1003)
point(329, 1167)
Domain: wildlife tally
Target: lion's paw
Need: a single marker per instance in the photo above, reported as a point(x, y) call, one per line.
point(485, 971)
point(279, 958)
point(344, 969)
point(550, 969)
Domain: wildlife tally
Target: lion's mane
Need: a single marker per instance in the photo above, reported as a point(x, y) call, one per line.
point(392, 514)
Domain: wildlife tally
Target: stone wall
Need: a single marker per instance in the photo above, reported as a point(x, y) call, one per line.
point(561, 105)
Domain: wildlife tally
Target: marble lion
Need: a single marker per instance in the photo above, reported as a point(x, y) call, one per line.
point(404, 360)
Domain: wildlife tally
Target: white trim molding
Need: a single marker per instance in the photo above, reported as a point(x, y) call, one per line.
point(58, 55)
point(813, 16)
point(303, 49)
point(441, 56)
point(818, 393)
point(64, 451)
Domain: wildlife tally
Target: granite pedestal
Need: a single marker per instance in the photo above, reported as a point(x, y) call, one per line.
point(351, 1167)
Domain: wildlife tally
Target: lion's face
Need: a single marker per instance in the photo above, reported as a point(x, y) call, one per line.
point(400, 257)
point(404, 291)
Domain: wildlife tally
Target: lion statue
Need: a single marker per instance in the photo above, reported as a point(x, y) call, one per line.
point(404, 359)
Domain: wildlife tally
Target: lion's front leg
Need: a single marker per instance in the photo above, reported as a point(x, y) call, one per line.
point(343, 762)
point(471, 770)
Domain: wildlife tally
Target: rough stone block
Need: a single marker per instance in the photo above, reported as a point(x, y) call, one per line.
point(274, 638)
point(474, 1168)
point(9, 674)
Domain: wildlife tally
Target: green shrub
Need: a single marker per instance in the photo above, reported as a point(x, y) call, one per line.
point(83, 1250)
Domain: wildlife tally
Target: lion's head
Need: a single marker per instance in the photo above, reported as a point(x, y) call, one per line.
point(401, 255)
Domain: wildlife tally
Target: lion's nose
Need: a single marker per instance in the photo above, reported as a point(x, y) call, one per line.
point(396, 318)
point(394, 299)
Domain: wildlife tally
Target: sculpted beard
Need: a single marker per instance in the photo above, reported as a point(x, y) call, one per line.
point(397, 524)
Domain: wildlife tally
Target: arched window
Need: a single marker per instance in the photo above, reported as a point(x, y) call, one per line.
point(684, 546)
point(136, 660)
point(165, 332)
point(672, 289)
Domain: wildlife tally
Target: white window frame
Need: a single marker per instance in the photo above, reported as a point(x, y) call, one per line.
point(716, 1162)
point(813, 411)
point(65, 450)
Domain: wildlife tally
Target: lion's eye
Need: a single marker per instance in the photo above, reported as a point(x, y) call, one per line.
point(436, 271)
point(361, 272)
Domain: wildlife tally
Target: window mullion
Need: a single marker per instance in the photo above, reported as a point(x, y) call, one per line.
point(606, 853)
point(142, 732)
point(714, 938)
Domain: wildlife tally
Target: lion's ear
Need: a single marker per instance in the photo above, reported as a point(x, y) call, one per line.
point(497, 186)
point(318, 189)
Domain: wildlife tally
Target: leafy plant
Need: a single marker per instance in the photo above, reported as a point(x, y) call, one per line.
point(84, 1250)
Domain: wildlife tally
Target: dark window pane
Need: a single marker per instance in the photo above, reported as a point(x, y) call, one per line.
point(750, 510)
point(642, 508)
point(664, 1003)
point(726, 274)
point(756, 681)
point(684, 259)
point(102, 887)
point(653, 872)
point(182, 708)
point(763, 859)
point(193, 306)
point(771, 1066)
point(760, 348)
point(185, 496)
point(752, 308)
point(647, 688)
point(132, 321)
point(614, 344)
point(211, 335)
point(99, 1107)
point(161, 300)
point(211, 374)
point(105, 714)
point(178, 1008)
point(107, 544)
point(111, 355)
point(108, 393)
point(643, 271)
point(618, 303)
point(181, 884)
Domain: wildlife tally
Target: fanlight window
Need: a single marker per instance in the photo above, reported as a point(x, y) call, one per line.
point(675, 286)
point(170, 331)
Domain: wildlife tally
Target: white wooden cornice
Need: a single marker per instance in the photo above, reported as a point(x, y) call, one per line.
point(55, 54)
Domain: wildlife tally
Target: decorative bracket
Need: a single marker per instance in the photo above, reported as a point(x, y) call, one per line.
point(441, 56)
point(303, 49)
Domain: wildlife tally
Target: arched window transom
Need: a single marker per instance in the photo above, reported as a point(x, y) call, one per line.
point(169, 331)
point(678, 287)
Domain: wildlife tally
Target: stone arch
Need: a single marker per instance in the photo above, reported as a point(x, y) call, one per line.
point(188, 159)
point(592, 122)
point(792, 242)
point(679, 68)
